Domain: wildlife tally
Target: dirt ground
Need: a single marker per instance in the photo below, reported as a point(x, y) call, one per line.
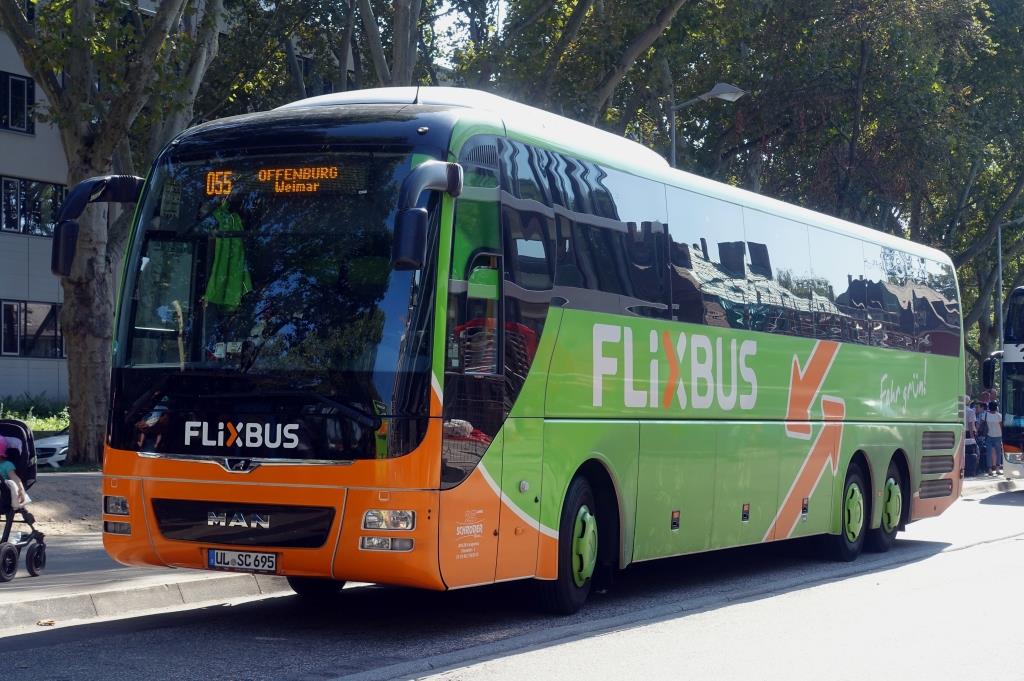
point(66, 503)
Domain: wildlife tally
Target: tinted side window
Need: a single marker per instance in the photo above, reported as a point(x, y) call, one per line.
point(528, 234)
point(708, 254)
point(942, 319)
point(640, 204)
point(779, 271)
point(837, 266)
point(888, 296)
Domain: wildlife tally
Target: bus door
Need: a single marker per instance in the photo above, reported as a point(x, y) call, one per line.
point(474, 392)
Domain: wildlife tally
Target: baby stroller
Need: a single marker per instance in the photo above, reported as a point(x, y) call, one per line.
point(21, 451)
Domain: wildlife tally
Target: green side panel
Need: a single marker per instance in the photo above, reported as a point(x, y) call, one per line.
point(607, 366)
point(568, 444)
point(792, 454)
point(746, 471)
point(522, 483)
point(677, 473)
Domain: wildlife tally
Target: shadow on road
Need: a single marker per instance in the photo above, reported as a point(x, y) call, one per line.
point(405, 632)
point(1015, 498)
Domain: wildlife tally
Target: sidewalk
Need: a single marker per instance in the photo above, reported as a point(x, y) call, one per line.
point(81, 582)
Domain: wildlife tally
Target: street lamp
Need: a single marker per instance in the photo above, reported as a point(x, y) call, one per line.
point(729, 93)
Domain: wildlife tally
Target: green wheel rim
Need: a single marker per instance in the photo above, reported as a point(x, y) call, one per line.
point(853, 513)
point(892, 505)
point(584, 546)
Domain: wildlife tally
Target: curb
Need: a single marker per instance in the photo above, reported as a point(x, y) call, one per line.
point(999, 484)
point(119, 602)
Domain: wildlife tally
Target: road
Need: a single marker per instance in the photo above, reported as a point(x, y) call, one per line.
point(939, 605)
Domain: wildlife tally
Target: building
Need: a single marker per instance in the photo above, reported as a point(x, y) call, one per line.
point(33, 178)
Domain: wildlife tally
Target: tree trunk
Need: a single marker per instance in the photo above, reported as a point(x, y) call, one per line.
point(372, 34)
point(294, 68)
point(87, 322)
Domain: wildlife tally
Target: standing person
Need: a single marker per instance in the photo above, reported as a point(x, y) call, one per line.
point(993, 420)
point(981, 438)
point(970, 444)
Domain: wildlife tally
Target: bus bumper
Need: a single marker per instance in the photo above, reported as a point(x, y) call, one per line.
point(317, 531)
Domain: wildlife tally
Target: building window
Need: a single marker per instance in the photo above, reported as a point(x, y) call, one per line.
point(10, 325)
point(17, 97)
point(29, 206)
point(18, 89)
point(30, 330)
point(11, 208)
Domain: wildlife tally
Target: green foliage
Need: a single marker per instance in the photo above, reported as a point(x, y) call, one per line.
point(41, 413)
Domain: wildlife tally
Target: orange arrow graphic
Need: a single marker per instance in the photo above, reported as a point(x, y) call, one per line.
point(804, 385)
point(824, 451)
point(234, 434)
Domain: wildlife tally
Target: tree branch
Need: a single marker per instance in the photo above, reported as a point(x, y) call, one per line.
point(572, 28)
point(127, 105)
point(980, 244)
point(641, 42)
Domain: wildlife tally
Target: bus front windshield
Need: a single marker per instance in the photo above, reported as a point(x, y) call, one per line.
point(260, 291)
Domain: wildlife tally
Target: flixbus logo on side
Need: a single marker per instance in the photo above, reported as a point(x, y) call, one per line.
point(250, 435)
point(719, 371)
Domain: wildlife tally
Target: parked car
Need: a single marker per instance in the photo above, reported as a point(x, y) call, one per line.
point(52, 451)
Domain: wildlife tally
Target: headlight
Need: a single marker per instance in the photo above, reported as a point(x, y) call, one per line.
point(115, 505)
point(385, 519)
point(1015, 457)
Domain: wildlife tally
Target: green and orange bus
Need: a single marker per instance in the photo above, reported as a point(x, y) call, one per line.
point(435, 338)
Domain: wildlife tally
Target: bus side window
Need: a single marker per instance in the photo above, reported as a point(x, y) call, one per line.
point(710, 234)
point(638, 205)
point(528, 228)
point(940, 314)
point(837, 265)
point(779, 273)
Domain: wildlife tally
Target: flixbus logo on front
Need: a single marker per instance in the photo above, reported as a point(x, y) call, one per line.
point(719, 374)
point(249, 435)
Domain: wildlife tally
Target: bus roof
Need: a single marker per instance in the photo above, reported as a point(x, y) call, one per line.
point(605, 147)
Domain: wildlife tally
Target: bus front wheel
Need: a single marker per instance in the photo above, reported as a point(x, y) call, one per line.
point(577, 552)
point(315, 588)
point(854, 512)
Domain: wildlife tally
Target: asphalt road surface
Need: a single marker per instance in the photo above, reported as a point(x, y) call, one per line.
point(942, 604)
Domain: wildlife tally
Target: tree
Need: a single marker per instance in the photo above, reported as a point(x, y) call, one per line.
point(99, 65)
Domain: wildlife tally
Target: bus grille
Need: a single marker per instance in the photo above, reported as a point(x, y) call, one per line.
point(219, 522)
point(931, 489)
point(936, 464)
point(938, 439)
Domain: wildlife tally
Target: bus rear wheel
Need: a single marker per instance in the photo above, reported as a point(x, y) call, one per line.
point(577, 552)
point(882, 538)
point(316, 588)
point(853, 518)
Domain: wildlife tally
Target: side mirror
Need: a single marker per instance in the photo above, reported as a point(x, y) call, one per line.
point(483, 284)
point(65, 242)
point(410, 241)
point(988, 373)
point(106, 189)
point(410, 237)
